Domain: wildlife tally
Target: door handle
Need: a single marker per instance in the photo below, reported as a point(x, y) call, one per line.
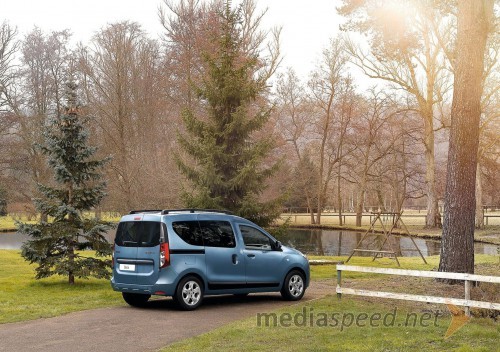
point(234, 257)
point(251, 255)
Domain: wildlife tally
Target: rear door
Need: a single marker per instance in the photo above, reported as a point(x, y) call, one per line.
point(224, 262)
point(137, 252)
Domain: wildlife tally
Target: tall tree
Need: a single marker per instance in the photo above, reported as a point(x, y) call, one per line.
point(230, 167)
point(123, 80)
point(8, 49)
point(53, 245)
point(375, 142)
point(489, 129)
point(457, 244)
point(405, 52)
point(295, 126)
point(332, 95)
point(37, 97)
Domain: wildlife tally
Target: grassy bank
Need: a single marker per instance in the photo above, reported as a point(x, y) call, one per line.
point(24, 298)
point(8, 223)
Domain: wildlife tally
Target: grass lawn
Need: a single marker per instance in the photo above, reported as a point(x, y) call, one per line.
point(328, 333)
point(24, 298)
point(8, 223)
point(415, 327)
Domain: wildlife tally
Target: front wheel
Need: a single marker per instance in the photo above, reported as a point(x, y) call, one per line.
point(135, 299)
point(189, 293)
point(294, 286)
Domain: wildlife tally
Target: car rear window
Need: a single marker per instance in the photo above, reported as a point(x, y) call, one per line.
point(138, 234)
point(189, 232)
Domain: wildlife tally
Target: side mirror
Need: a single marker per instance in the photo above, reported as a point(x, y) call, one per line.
point(277, 245)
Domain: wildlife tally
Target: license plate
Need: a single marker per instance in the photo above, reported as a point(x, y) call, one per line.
point(127, 267)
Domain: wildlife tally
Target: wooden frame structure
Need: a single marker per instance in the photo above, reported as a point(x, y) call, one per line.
point(396, 218)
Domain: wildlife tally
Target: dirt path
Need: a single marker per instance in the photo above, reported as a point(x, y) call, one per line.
point(132, 329)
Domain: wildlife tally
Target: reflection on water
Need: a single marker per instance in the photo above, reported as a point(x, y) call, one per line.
point(320, 242)
point(338, 243)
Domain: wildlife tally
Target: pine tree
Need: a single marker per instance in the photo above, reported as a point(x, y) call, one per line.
point(228, 171)
point(55, 245)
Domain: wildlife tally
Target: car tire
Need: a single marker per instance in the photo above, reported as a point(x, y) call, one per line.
point(189, 293)
point(135, 299)
point(294, 286)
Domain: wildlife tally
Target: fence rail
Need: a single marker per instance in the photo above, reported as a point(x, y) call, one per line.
point(467, 278)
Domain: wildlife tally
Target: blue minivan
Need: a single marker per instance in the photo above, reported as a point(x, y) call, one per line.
point(190, 253)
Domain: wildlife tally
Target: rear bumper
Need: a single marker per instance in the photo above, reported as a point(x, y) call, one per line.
point(166, 284)
point(166, 290)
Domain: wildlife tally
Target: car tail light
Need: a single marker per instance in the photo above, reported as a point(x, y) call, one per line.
point(164, 255)
point(113, 256)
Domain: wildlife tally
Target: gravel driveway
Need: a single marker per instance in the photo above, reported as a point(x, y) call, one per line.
point(132, 329)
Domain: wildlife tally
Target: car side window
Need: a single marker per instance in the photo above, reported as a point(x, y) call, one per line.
point(255, 239)
point(189, 232)
point(217, 233)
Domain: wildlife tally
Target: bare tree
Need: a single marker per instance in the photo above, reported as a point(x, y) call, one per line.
point(327, 85)
point(409, 58)
point(37, 95)
point(296, 129)
point(8, 49)
point(187, 25)
point(489, 128)
point(123, 77)
point(374, 143)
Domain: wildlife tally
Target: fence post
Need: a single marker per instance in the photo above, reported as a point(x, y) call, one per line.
point(339, 280)
point(467, 297)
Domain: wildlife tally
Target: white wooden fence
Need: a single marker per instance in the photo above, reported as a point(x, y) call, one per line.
point(467, 278)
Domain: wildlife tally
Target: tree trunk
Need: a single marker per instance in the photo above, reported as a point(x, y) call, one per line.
point(311, 211)
point(479, 199)
point(98, 213)
point(44, 217)
point(457, 244)
point(359, 207)
point(361, 192)
point(433, 218)
point(380, 198)
point(339, 196)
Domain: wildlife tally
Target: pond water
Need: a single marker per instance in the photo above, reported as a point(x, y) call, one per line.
point(340, 243)
point(319, 242)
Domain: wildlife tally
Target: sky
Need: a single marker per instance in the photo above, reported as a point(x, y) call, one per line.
point(307, 25)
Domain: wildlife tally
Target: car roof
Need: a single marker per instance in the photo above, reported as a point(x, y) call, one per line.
point(156, 215)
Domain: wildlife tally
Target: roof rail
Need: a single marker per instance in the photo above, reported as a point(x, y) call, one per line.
point(192, 210)
point(145, 211)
